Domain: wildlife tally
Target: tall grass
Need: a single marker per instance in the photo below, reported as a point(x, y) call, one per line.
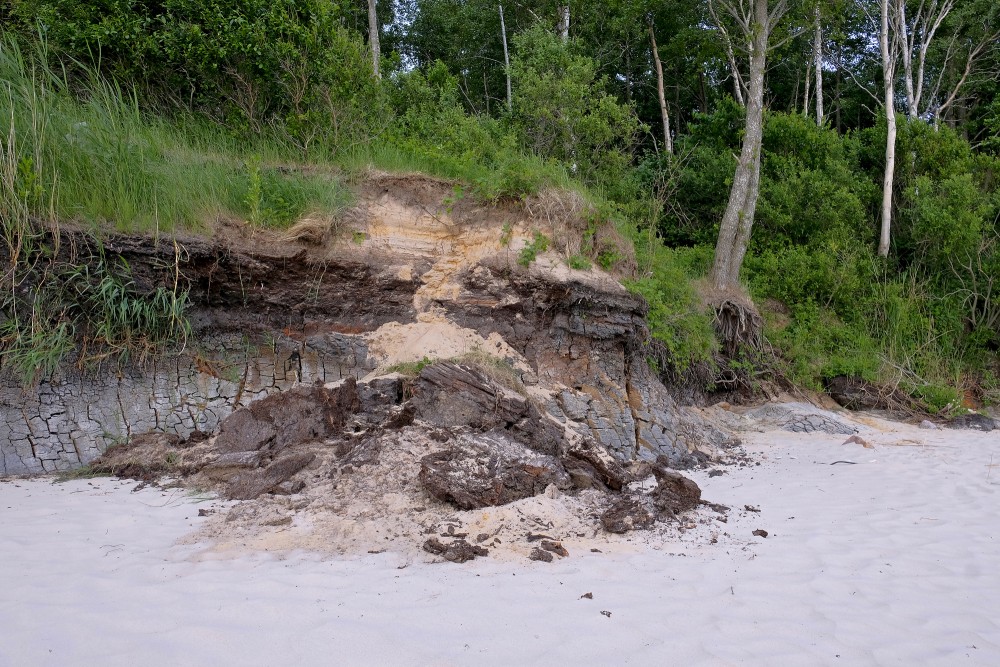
point(85, 152)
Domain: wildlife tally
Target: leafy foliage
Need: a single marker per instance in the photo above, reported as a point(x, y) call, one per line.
point(250, 63)
point(561, 110)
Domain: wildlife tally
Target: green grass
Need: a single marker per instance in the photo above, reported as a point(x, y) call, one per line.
point(92, 157)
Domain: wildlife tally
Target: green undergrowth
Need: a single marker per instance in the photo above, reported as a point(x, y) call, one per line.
point(90, 309)
point(85, 152)
point(677, 317)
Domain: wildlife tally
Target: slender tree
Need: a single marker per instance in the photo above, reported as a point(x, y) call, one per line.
point(668, 144)
point(564, 22)
point(506, 59)
point(739, 85)
point(755, 20)
point(916, 35)
point(889, 53)
point(818, 62)
point(373, 40)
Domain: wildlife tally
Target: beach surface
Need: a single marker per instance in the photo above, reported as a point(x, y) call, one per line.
point(886, 555)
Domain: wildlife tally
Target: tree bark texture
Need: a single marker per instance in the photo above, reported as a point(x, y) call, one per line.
point(506, 59)
point(806, 97)
point(737, 222)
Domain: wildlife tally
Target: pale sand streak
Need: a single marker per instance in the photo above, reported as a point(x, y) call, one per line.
point(893, 561)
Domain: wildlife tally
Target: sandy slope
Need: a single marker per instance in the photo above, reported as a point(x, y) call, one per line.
point(890, 561)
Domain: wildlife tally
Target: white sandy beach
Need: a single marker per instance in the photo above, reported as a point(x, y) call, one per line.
point(891, 560)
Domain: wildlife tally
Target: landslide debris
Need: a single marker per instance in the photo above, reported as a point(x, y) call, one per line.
point(419, 455)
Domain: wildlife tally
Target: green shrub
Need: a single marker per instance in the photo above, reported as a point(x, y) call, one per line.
point(562, 112)
point(529, 253)
point(676, 316)
point(251, 63)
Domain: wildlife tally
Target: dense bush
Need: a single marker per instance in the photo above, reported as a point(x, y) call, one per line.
point(914, 320)
point(250, 63)
point(561, 110)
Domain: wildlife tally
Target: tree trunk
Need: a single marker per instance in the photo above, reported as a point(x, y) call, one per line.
point(737, 222)
point(905, 53)
point(506, 59)
point(888, 76)
point(373, 38)
point(667, 142)
point(836, 95)
point(805, 99)
point(730, 54)
point(564, 22)
point(677, 104)
point(818, 59)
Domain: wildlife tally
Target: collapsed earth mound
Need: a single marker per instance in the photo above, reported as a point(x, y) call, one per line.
point(443, 461)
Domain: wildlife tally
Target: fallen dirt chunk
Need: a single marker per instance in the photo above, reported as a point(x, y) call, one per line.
point(534, 537)
point(227, 465)
point(856, 439)
point(250, 485)
point(717, 507)
point(760, 533)
point(606, 613)
point(555, 547)
point(587, 596)
point(539, 554)
point(674, 492)
point(608, 470)
point(487, 470)
point(458, 551)
point(625, 515)
point(145, 458)
point(288, 418)
point(973, 420)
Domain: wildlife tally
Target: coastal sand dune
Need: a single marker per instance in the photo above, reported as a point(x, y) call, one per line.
point(881, 556)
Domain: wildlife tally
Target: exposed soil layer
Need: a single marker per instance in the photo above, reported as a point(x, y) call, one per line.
point(405, 276)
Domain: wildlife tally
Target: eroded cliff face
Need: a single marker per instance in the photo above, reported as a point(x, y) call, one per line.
point(408, 275)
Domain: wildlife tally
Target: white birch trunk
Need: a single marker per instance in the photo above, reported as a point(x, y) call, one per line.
point(888, 76)
point(905, 52)
point(806, 97)
point(506, 59)
point(818, 60)
point(564, 22)
point(664, 112)
point(373, 40)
